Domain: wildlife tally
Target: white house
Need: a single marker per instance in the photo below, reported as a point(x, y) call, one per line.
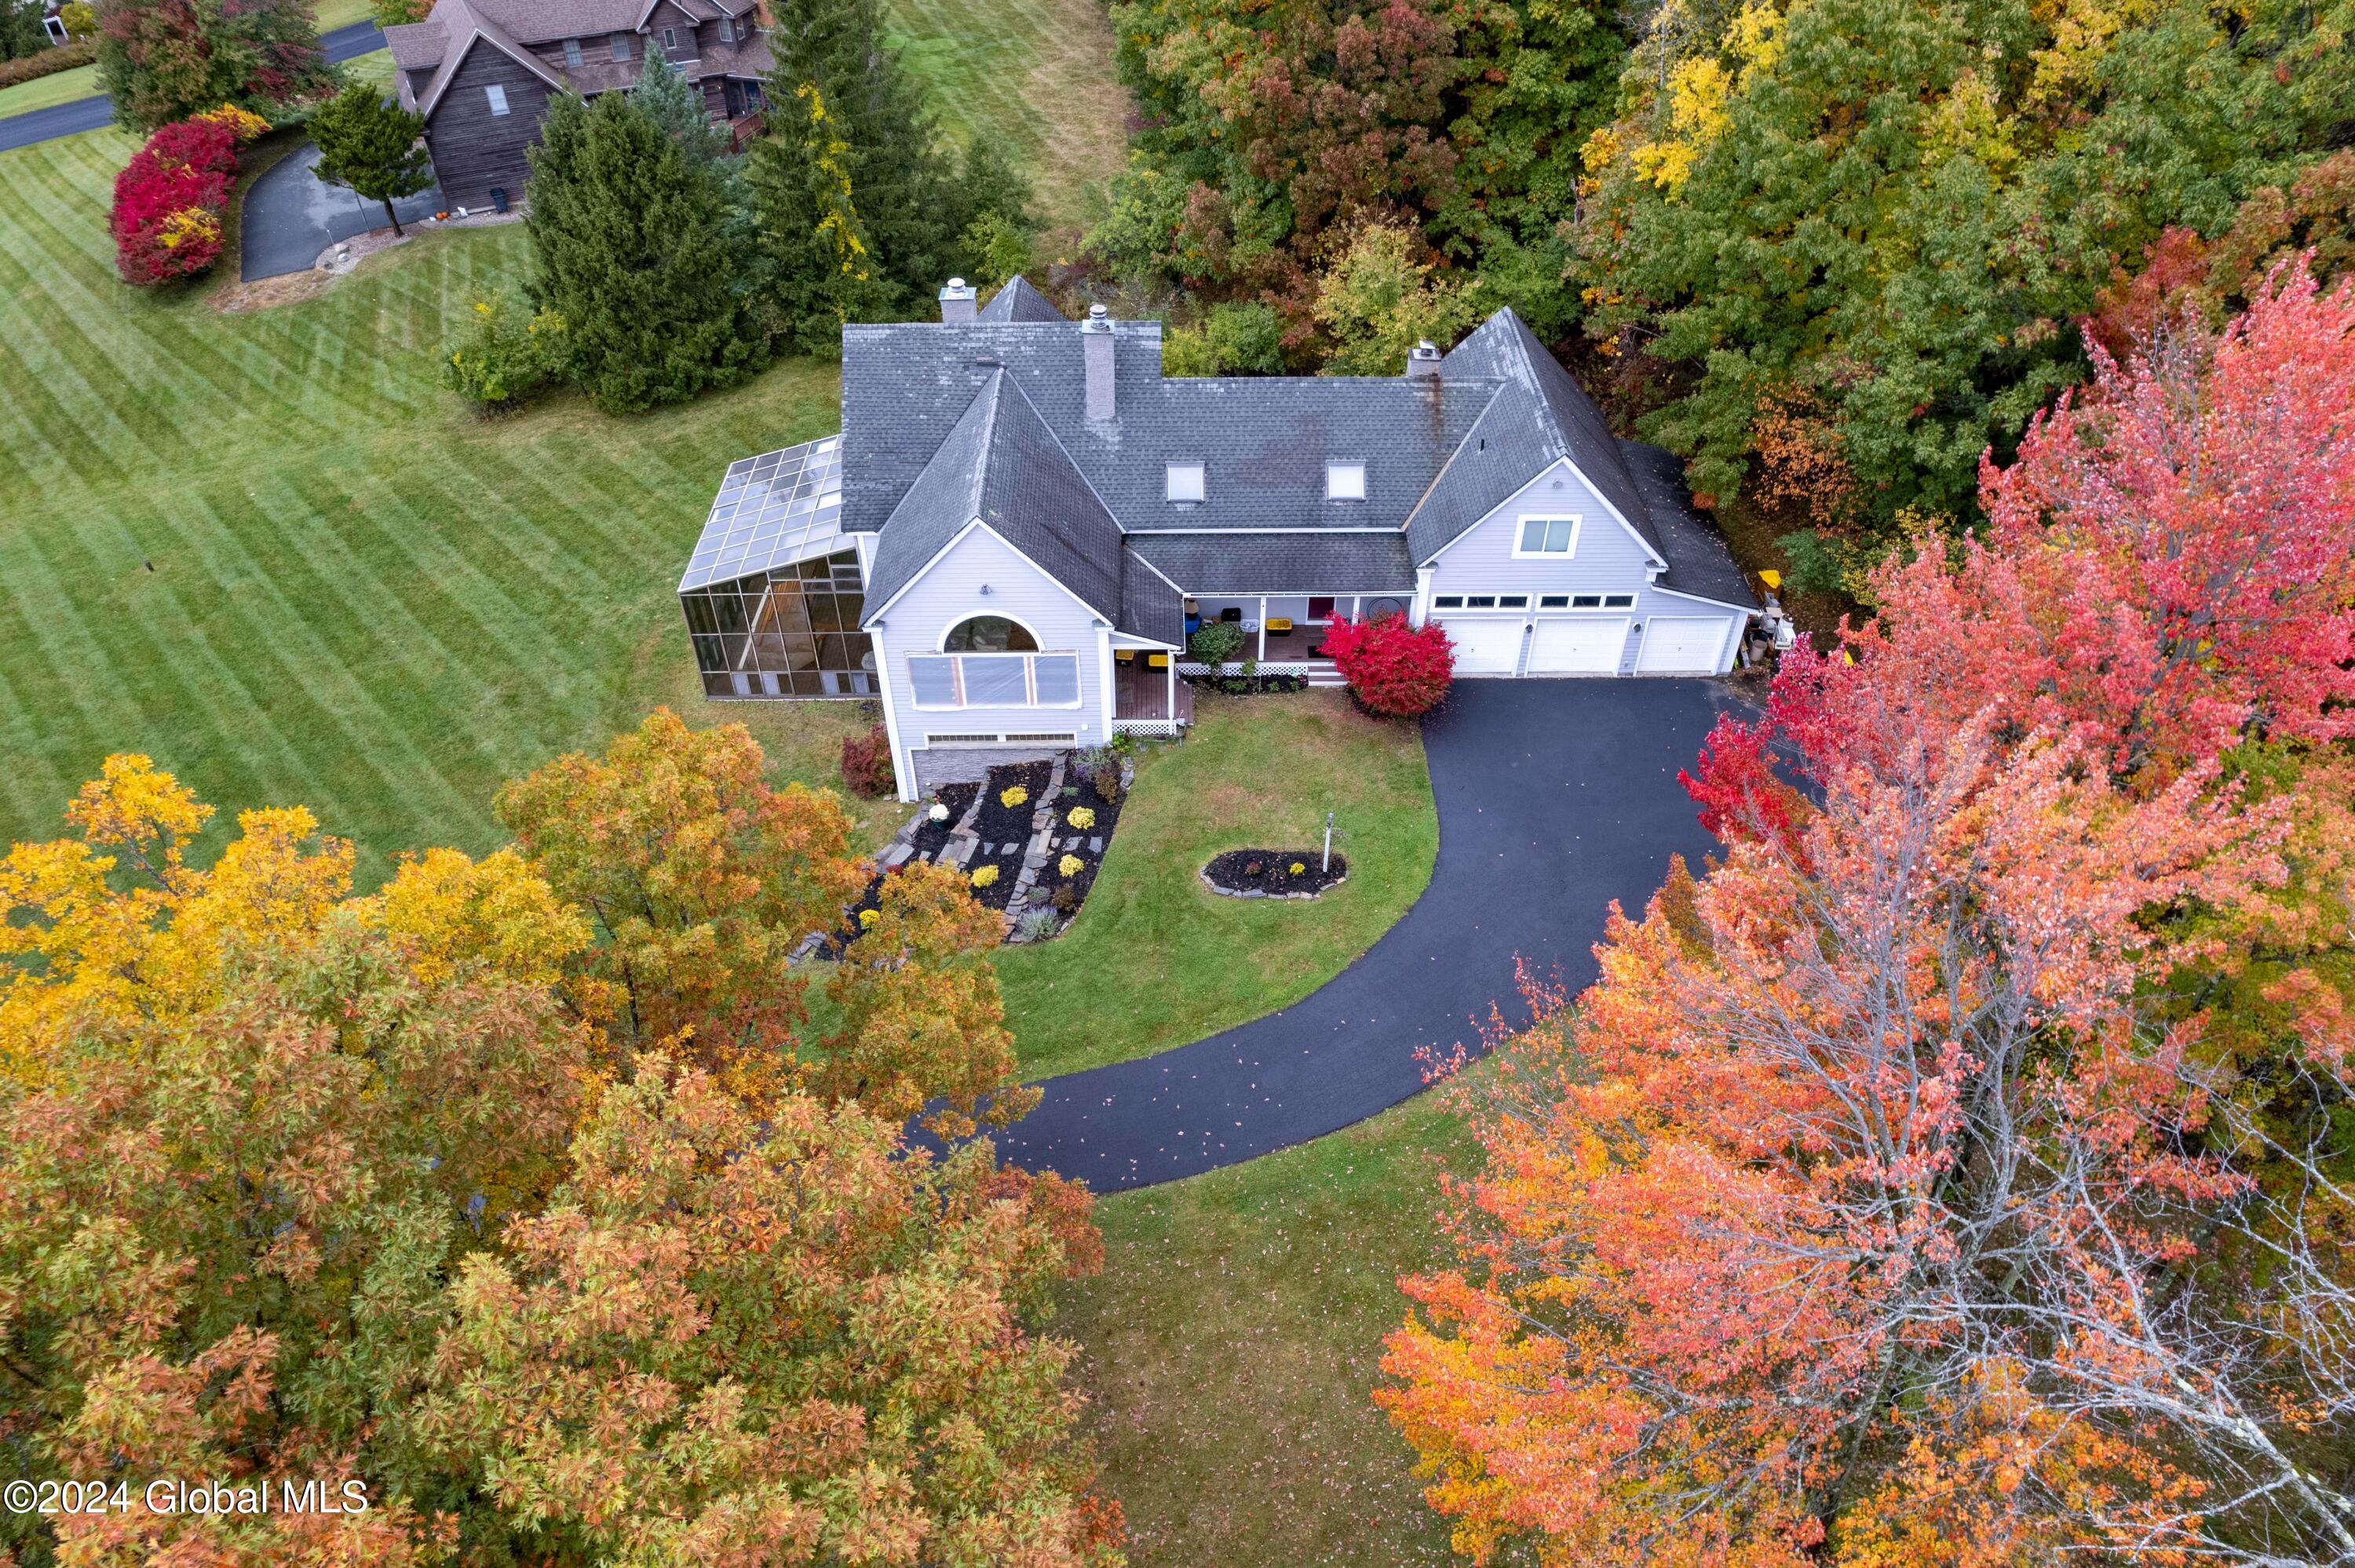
point(1023, 521)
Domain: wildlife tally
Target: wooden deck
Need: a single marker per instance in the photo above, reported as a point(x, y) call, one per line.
point(1139, 693)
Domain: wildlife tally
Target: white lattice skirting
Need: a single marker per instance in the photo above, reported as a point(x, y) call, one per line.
point(1151, 729)
point(1272, 667)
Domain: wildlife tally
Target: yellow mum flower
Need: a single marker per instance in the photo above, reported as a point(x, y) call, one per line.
point(868, 916)
point(1297, 868)
point(1013, 794)
point(1081, 817)
point(1071, 865)
point(985, 876)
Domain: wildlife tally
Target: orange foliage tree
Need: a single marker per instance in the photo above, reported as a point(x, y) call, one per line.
point(786, 1341)
point(1958, 1173)
point(302, 1187)
point(246, 1123)
point(702, 879)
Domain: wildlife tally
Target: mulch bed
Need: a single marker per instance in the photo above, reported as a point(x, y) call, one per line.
point(996, 822)
point(1005, 831)
point(1251, 685)
point(1268, 873)
point(1078, 791)
point(933, 837)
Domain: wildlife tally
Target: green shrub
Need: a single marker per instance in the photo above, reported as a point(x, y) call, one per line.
point(1245, 339)
point(49, 62)
point(1216, 642)
point(504, 358)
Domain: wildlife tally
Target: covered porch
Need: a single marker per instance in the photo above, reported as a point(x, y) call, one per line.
point(1147, 698)
point(1288, 628)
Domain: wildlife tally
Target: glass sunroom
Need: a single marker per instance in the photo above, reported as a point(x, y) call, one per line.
point(773, 593)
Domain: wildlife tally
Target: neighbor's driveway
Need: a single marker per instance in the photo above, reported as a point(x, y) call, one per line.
point(292, 214)
point(1555, 798)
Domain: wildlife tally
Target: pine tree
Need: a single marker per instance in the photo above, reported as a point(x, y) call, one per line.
point(634, 252)
point(369, 145)
point(162, 60)
point(861, 139)
point(21, 33)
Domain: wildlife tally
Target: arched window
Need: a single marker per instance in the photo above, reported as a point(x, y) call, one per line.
point(989, 634)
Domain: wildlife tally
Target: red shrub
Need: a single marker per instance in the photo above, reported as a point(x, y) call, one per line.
point(168, 201)
point(867, 762)
point(1396, 669)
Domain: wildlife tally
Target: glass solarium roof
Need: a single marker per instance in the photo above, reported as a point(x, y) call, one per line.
point(772, 511)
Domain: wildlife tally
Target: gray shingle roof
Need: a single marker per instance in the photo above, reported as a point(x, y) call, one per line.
point(1264, 441)
point(1150, 608)
point(1019, 301)
point(1699, 561)
point(1280, 563)
point(941, 424)
point(1002, 464)
point(1541, 414)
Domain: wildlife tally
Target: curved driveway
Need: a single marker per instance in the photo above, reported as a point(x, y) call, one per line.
point(1555, 798)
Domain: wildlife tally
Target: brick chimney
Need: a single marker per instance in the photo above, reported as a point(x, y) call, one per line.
point(1096, 354)
point(1423, 360)
point(957, 305)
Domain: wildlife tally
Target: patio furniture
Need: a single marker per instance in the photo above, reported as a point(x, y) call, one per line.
point(1232, 612)
point(1278, 625)
point(1158, 661)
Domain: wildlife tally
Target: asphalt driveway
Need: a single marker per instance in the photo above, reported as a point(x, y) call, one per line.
point(1555, 798)
point(292, 214)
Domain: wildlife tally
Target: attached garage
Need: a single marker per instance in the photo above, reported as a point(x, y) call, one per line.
point(1485, 644)
point(1681, 646)
point(1578, 645)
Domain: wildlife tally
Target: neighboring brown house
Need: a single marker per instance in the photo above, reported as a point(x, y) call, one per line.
point(481, 72)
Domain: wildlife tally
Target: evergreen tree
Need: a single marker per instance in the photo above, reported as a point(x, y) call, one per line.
point(369, 145)
point(858, 155)
point(162, 60)
point(635, 253)
point(664, 96)
point(21, 33)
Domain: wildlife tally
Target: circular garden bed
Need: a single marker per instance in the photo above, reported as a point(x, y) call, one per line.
point(1273, 874)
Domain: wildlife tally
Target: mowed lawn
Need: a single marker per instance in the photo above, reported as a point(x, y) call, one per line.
point(1154, 959)
point(268, 548)
point(1233, 1342)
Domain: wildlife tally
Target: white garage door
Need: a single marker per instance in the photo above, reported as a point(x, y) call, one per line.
point(1485, 644)
point(1579, 646)
point(1681, 647)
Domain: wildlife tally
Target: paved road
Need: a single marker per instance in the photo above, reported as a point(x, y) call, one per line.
point(291, 216)
point(93, 113)
point(1555, 798)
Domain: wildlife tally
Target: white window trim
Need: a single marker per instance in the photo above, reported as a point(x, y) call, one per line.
point(940, 643)
point(1333, 470)
point(1521, 522)
point(1169, 482)
point(1029, 681)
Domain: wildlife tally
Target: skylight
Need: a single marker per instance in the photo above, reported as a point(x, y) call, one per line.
point(1185, 481)
point(1345, 482)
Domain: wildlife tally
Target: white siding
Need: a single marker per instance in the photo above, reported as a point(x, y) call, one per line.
point(948, 592)
point(1608, 559)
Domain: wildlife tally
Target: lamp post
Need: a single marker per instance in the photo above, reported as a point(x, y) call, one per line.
point(1327, 864)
